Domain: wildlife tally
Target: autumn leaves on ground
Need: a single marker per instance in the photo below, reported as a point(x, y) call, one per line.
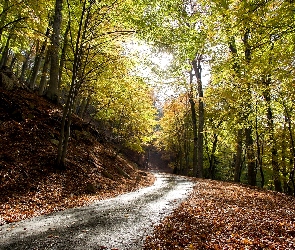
point(30, 185)
point(217, 215)
point(220, 215)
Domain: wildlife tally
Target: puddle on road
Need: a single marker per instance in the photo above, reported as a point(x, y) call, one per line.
point(121, 222)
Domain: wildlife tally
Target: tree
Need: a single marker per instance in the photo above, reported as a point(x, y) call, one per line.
point(52, 92)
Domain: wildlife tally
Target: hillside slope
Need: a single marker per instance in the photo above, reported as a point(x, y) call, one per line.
point(30, 185)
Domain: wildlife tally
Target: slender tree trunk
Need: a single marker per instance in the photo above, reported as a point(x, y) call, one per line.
point(44, 76)
point(194, 126)
point(82, 106)
point(37, 65)
point(3, 16)
point(259, 152)
point(248, 131)
point(86, 107)
point(284, 165)
point(239, 148)
point(187, 148)
point(76, 84)
point(238, 160)
point(65, 125)
point(38, 61)
point(250, 157)
point(292, 160)
point(212, 157)
point(12, 63)
point(25, 64)
point(198, 70)
point(52, 92)
point(5, 52)
point(63, 55)
point(274, 151)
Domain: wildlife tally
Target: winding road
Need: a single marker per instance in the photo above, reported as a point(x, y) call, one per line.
point(122, 222)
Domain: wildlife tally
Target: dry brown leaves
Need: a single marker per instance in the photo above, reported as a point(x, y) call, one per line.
point(221, 215)
point(29, 183)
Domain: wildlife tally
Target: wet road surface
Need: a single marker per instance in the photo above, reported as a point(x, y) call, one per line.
point(122, 222)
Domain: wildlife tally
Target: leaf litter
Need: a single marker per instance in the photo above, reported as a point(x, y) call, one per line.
point(30, 185)
point(220, 215)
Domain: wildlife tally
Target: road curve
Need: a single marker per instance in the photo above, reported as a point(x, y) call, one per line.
point(122, 222)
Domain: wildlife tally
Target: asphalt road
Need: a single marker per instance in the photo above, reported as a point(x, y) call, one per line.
point(122, 222)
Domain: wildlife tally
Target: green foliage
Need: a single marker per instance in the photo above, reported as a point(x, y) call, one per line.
point(248, 43)
point(248, 47)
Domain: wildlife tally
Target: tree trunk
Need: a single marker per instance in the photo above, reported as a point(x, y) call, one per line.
point(238, 160)
point(63, 55)
point(52, 92)
point(43, 80)
point(274, 151)
point(292, 160)
point(4, 57)
point(82, 106)
point(284, 165)
point(248, 130)
point(35, 71)
point(239, 148)
point(25, 64)
point(76, 84)
point(3, 16)
point(194, 126)
point(38, 61)
point(212, 157)
point(13, 61)
point(86, 107)
point(250, 157)
point(259, 152)
point(198, 70)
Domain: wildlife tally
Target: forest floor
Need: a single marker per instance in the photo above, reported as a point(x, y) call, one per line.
point(30, 185)
point(221, 215)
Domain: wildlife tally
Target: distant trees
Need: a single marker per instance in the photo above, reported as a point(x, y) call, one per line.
point(249, 47)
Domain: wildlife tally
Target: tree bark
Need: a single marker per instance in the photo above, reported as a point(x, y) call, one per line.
point(259, 151)
point(270, 123)
point(43, 81)
point(238, 160)
point(38, 60)
point(194, 126)
point(3, 16)
point(52, 92)
point(212, 158)
point(239, 148)
point(4, 57)
point(292, 160)
point(63, 55)
point(76, 84)
point(250, 157)
point(248, 131)
point(198, 70)
point(284, 157)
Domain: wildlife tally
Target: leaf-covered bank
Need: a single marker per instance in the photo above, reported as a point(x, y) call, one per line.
point(221, 215)
point(30, 184)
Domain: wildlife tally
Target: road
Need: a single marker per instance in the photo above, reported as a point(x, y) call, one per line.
point(122, 222)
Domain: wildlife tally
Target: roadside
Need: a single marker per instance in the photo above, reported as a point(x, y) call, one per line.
point(220, 215)
point(122, 222)
point(30, 184)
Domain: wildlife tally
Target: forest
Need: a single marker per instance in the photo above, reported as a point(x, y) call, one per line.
point(234, 123)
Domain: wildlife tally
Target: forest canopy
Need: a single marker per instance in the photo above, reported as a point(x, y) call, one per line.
point(237, 126)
